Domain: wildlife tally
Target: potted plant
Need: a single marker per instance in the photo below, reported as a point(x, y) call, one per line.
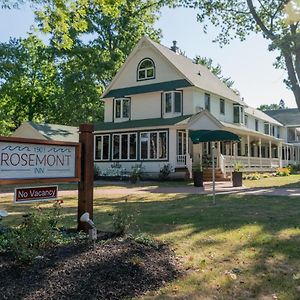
point(198, 175)
point(237, 175)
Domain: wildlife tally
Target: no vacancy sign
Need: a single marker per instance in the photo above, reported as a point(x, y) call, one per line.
point(34, 194)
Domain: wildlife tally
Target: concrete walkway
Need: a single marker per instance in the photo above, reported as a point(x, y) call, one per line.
point(122, 189)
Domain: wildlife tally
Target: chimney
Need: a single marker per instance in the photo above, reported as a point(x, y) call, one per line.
point(174, 48)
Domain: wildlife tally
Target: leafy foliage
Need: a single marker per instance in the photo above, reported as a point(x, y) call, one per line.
point(62, 82)
point(237, 19)
point(27, 81)
point(216, 70)
point(272, 106)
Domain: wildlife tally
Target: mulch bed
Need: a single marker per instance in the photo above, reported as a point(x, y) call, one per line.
point(116, 269)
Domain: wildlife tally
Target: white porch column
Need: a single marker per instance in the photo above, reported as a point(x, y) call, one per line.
point(259, 144)
point(200, 152)
point(249, 150)
point(235, 150)
point(279, 149)
point(270, 152)
point(218, 154)
point(187, 141)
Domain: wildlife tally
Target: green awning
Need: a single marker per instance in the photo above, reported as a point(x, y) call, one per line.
point(202, 136)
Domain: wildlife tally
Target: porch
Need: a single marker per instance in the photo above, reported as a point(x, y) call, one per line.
point(255, 154)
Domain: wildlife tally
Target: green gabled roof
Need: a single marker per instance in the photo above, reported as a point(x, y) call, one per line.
point(148, 88)
point(141, 123)
point(289, 116)
point(57, 132)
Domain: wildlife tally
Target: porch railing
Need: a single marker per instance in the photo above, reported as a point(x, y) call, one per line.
point(185, 161)
point(181, 160)
point(252, 163)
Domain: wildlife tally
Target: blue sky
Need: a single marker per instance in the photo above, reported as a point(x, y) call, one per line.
point(248, 63)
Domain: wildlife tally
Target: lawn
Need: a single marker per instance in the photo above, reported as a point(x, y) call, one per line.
point(245, 247)
point(292, 181)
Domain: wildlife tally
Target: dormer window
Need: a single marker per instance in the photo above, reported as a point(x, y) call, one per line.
point(122, 108)
point(146, 69)
point(173, 102)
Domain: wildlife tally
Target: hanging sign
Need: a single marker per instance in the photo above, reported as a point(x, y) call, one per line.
point(33, 194)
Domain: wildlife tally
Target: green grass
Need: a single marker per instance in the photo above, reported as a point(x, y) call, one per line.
point(256, 237)
point(292, 181)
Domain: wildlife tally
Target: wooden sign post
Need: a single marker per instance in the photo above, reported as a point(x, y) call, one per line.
point(86, 184)
point(30, 161)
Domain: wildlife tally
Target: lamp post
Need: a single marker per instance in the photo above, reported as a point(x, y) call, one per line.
point(213, 173)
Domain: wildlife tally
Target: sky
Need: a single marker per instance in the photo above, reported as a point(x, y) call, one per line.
point(248, 63)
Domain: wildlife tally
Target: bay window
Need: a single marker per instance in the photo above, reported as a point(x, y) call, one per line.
point(102, 147)
point(153, 145)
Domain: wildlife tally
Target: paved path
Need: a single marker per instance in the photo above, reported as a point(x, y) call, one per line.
point(221, 188)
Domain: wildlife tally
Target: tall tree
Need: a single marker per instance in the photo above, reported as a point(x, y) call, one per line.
point(238, 18)
point(216, 70)
point(27, 79)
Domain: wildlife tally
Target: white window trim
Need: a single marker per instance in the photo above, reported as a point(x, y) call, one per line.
point(241, 114)
point(222, 100)
point(121, 112)
point(145, 69)
point(172, 112)
point(109, 147)
point(148, 145)
point(128, 147)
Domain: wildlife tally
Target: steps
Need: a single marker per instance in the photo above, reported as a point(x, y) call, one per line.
point(219, 176)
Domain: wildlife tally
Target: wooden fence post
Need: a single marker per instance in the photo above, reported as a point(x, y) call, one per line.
point(86, 184)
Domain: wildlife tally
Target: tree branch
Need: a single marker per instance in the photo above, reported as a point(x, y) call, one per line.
point(259, 22)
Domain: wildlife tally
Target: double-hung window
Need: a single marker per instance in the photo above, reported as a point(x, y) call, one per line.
point(238, 114)
point(102, 147)
point(222, 106)
point(207, 101)
point(124, 146)
point(256, 125)
point(122, 108)
point(267, 128)
point(173, 102)
point(153, 145)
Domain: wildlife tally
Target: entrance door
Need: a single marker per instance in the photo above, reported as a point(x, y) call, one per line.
point(181, 142)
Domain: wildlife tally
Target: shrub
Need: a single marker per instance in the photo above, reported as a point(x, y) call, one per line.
point(265, 175)
point(165, 171)
point(283, 172)
point(38, 230)
point(255, 176)
point(123, 218)
point(136, 172)
point(294, 169)
point(147, 240)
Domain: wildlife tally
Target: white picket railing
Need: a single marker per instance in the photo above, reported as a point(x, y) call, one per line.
point(185, 161)
point(181, 161)
point(251, 163)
